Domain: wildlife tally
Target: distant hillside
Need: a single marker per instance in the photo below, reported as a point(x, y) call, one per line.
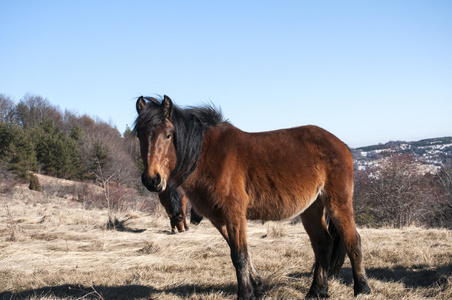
point(432, 153)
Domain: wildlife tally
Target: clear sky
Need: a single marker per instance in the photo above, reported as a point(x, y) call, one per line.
point(368, 71)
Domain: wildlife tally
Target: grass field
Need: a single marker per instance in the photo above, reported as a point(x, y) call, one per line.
point(52, 248)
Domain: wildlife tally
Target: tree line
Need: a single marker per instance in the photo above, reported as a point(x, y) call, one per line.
point(37, 136)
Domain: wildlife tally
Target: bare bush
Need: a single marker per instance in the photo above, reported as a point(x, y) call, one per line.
point(7, 181)
point(396, 193)
point(442, 210)
point(12, 227)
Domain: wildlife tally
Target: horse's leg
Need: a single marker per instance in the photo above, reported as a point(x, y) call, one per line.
point(184, 206)
point(164, 201)
point(255, 278)
point(185, 224)
point(239, 255)
point(340, 207)
point(321, 241)
point(222, 229)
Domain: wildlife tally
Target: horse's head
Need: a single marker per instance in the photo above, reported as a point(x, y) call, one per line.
point(177, 223)
point(156, 134)
point(174, 195)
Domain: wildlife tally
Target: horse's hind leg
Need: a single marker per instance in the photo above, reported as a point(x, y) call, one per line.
point(321, 241)
point(184, 226)
point(341, 212)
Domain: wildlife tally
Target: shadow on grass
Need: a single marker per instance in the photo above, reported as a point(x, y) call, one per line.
point(416, 276)
point(115, 224)
point(119, 292)
point(422, 276)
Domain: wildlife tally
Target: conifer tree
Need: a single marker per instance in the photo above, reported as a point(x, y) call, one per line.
point(19, 152)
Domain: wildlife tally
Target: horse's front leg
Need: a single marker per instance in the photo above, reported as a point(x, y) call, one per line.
point(253, 275)
point(248, 287)
point(256, 279)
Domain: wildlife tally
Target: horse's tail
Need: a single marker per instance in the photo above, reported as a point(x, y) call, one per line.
point(338, 251)
point(195, 218)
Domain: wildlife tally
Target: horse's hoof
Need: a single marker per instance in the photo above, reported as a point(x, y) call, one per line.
point(258, 287)
point(317, 294)
point(362, 288)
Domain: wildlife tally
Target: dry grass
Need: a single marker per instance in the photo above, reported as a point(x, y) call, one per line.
point(62, 251)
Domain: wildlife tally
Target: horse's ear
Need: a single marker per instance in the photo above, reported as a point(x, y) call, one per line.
point(141, 103)
point(167, 106)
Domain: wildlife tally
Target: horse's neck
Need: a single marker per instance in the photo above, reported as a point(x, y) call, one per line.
point(218, 144)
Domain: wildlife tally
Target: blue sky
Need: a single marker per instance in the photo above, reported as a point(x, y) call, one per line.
point(368, 71)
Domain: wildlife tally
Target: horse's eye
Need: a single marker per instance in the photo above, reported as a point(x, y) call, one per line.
point(168, 136)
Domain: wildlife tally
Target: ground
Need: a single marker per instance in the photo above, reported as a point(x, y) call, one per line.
point(53, 248)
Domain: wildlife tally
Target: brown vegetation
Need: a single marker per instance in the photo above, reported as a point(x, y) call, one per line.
point(399, 193)
point(53, 247)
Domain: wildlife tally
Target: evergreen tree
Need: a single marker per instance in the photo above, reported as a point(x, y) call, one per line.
point(56, 153)
point(19, 151)
point(100, 155)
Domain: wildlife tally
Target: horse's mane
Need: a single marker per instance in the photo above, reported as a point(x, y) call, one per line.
point(190, 125)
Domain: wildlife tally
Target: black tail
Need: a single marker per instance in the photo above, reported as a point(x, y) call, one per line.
point(338, 252)
point(195, 218)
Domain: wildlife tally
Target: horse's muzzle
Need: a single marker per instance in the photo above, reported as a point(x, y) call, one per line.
point(153, 184)
point(177, 222)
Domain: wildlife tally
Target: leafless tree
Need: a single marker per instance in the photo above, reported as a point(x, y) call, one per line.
point(6, 109)
point(32, 110)
point(394, 193)
point(442, 212)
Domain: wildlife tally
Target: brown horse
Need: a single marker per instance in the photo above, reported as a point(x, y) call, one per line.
point(230, 176)
point(179, 222)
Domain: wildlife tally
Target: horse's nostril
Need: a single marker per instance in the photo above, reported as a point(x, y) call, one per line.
point(153, 184)
point(157, 180)
point(178, 217)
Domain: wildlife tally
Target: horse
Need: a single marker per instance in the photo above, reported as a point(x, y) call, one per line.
point(179, 222)
point(230, 176)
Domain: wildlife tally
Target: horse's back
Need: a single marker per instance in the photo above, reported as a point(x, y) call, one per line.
point(291, 169)
point(277, 174)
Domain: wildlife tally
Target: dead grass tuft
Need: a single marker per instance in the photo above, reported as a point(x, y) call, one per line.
point(275, 230)
point(150, 248)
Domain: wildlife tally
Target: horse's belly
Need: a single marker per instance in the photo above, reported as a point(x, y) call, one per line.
point(279, 208)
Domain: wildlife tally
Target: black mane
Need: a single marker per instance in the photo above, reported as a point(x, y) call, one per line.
point(190, 125)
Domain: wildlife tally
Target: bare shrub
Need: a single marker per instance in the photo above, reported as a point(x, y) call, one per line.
point(396, 193)
point(442, 208)
point(7, 181)
point(121, 198)
point(12, 227)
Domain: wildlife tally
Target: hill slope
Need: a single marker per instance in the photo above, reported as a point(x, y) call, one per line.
point(432, 152)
